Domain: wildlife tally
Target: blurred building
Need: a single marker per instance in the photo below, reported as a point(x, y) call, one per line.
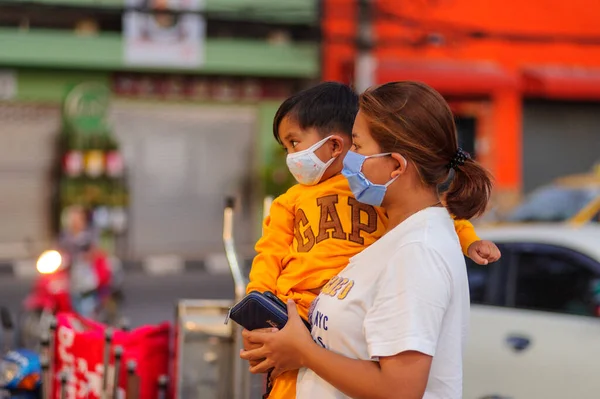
point(522, 77)
point(194, 126)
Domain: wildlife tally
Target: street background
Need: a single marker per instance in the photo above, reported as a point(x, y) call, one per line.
point(149, 298)
point(138, 118)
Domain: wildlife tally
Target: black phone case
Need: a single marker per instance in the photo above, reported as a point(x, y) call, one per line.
point(257, 310)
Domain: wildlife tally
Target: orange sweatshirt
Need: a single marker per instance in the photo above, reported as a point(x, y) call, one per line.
point(309, 237)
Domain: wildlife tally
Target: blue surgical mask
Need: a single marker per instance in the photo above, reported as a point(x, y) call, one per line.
point(363, 189)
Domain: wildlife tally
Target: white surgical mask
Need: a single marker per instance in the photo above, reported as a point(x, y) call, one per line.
point(306, 167)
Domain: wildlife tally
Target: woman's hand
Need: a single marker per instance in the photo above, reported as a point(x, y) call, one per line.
point(483, 252)
point(279, 350)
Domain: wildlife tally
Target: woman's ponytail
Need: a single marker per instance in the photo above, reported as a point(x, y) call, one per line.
point(470, 190)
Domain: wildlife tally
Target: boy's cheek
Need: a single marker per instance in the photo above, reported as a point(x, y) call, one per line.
point(324, 153)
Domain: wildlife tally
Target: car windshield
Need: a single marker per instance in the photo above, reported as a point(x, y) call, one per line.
point(554, 204)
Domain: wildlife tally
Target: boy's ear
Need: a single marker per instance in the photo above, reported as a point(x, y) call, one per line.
point(337, 145)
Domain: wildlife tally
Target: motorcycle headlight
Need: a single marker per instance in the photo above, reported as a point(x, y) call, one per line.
point(49, 262)
point(8, 372)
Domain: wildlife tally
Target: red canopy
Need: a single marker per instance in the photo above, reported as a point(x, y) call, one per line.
point(449, 78)
point(562, 83)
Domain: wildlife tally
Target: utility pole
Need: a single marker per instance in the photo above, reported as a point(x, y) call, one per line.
point(365, 64)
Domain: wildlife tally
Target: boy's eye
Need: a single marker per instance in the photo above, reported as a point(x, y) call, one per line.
point(294, 143)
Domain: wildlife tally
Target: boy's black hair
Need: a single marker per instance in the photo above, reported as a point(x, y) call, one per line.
point(328, 107)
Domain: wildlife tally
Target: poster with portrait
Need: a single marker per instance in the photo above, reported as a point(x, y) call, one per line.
point(164, 33)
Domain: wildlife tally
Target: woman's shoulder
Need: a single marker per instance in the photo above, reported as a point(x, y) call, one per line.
point(427, 255)
point(413, 242)
point(429, 227)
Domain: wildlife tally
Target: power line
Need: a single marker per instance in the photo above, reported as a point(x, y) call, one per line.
point(469, 32)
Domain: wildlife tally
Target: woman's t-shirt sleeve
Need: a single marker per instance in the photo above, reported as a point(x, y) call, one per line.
point(411, 298)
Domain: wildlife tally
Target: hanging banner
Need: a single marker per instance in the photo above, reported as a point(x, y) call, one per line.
point(156, 39)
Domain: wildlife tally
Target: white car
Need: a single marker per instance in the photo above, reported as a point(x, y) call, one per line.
point(535, 325)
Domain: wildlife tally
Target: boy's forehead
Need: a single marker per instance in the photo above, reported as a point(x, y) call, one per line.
point(289, 123)
point(289, 127)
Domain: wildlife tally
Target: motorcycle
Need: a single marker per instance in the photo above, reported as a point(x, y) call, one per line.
point(88, 283)
point(20, 374)
point(20, 369)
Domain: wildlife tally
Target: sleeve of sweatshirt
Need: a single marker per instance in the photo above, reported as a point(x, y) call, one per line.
point(273, 246)
point(466, 234)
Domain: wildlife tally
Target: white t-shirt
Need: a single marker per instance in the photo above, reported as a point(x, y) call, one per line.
point(406, 292)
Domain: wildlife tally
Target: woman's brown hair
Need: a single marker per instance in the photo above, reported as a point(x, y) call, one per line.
point(414, 120)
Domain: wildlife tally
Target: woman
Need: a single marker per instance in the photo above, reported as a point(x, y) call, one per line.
point(393, 323)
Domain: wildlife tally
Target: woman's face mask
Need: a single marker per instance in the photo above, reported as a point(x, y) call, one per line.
point(363, 189)
point(306, 167)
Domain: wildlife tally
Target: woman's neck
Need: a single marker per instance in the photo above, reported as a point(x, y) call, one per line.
point(420, 199)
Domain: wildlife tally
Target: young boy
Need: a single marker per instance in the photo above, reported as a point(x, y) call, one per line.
point(317, 225)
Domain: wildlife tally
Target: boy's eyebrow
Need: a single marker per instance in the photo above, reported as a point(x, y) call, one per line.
point(289, 136)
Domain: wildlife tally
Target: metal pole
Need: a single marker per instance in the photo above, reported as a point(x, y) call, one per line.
point(63, 385)
point(321, 20)
point(117, 375)
point(51, 353)
point(365, 61)
point(236, 271)
point(108, 337)
point(45, 357)
point(240, 374)
point(163, 380)
point(45, 364)
point(133, 386)
point(8, 328)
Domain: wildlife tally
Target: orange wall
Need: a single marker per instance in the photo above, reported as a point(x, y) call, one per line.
point(451, 18)
point(558, 18)
point(339, 27)
point(400, 37)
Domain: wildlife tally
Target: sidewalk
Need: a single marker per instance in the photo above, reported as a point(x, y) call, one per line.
point(153, 265)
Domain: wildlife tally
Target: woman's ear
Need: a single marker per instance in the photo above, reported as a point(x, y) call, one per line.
point(402, 164)
point(337, 145)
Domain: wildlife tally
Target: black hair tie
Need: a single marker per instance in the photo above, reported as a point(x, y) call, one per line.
point(459, 158)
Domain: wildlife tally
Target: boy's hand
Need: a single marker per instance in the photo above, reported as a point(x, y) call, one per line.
point(483, 252)
point(248, 345)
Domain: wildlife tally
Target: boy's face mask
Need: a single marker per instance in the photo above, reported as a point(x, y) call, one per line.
point(306, 167)
point(362, 188)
